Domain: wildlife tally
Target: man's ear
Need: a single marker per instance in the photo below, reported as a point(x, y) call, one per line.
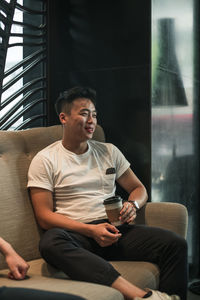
point(63, 118)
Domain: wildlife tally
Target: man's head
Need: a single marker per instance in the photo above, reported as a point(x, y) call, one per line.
point(65, 100)
point(77, 113)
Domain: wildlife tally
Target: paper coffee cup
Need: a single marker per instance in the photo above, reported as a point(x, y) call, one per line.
point(113, 206)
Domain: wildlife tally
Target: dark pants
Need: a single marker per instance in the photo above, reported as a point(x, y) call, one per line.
point(81, 258)
point(8, 293)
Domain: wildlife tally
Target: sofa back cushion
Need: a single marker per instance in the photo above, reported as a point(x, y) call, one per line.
point(17, 222)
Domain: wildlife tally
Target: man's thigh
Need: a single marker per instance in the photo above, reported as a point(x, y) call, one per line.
point(79, 257)
point(60, 239)
point(61, 236)
point(141, 243)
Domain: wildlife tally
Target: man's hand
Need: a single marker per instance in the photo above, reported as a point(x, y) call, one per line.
point(127, 213)
point(18, 267)
point(105, 234)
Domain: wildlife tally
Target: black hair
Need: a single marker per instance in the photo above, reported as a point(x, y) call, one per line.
point(65, 99)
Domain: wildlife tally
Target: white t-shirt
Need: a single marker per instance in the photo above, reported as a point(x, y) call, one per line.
point(79, 183)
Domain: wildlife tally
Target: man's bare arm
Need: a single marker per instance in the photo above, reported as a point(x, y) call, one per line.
point(17, 265)
point(134, 187)
point(137, 192)
point(42, 200)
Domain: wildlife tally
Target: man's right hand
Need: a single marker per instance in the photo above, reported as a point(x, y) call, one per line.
point(105, 234)
point(17, 265)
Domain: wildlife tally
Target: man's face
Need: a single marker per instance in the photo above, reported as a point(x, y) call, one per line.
point(82, 120)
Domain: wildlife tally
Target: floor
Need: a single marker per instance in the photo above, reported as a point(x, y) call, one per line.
point(192, 296)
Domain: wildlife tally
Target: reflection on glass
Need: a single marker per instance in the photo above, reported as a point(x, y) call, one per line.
point(168, 89)
point(175, 170)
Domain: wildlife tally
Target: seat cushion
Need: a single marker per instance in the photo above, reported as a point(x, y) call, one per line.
point(43, 276)
point(35, 280)
point(142, 274)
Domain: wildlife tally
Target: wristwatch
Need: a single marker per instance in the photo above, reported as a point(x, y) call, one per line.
point(135, 204)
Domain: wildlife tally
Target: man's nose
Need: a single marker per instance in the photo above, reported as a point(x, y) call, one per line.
point(90, 118)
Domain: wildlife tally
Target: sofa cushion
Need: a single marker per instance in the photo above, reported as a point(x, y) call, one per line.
point(43, 276)
point(86, 290)
point(142, 274)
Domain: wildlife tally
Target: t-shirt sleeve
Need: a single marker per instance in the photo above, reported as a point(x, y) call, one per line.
point(121, 163)
point(40, 173)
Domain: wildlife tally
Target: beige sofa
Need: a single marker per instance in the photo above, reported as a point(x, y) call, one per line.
point(18, 225)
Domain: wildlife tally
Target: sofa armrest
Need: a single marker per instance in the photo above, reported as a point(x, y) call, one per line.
point(167, 215)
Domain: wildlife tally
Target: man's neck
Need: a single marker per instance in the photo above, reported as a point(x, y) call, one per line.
point(77, 148)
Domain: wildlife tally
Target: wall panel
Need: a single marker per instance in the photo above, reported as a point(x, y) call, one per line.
point(106, 45)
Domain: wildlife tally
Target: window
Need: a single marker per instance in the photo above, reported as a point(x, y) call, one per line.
point(23, 86)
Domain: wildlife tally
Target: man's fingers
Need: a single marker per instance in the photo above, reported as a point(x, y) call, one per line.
point(129, 215)
point(111, 228)
point(10, 275)
point(124, 208)
point(110, 235)
point(105, 242)
point(23, 273)
point(15, 274)
point(111, 231)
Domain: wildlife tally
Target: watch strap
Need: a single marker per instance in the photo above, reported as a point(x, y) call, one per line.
point(135, 204)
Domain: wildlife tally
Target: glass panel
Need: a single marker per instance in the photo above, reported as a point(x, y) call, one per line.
point(175, 170)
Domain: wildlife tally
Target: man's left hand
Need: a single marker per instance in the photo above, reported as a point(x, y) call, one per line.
point(127, 213)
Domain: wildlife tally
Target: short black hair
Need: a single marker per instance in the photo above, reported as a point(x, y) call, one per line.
point(65, 99)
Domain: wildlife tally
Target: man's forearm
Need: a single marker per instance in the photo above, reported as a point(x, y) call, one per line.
point(5, 247)
point(140, 195)
point(52, 219)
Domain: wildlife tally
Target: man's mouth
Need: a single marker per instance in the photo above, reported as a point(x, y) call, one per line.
point(89, 129)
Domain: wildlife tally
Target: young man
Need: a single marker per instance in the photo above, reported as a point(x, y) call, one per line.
point(68, 182)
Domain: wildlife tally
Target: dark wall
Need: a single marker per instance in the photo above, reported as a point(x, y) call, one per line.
point(106, 45)
point(34, 19)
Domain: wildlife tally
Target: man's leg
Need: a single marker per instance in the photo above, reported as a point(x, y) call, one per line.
point(162, 247)
point(74, 255)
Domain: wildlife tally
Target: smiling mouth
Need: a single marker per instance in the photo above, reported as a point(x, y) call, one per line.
point(89, 130)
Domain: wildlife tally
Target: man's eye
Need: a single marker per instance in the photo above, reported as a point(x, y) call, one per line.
point(84, 114)
point(94, 116)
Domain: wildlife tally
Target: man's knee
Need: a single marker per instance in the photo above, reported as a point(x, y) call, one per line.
point(181, 244)
point(50, 240)
point(177, 243)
